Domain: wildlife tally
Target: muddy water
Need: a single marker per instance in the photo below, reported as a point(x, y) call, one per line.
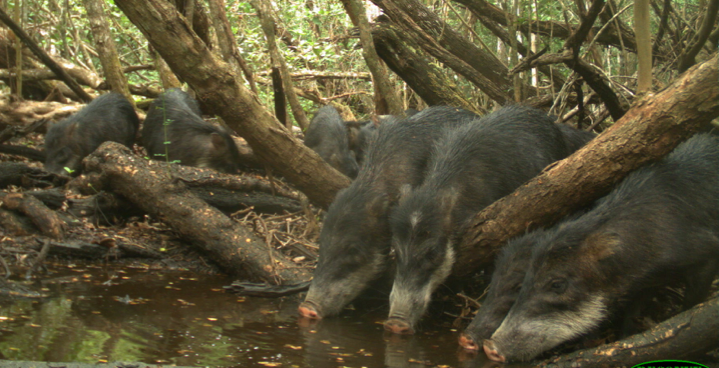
point(96, 314)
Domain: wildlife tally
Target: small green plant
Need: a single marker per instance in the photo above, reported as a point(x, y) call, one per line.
point(166, 142)
point(68, 170)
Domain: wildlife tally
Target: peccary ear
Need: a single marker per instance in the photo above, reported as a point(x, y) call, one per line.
point(378, 206)
point(218, 142)
point(600, 245)
point(353, 130)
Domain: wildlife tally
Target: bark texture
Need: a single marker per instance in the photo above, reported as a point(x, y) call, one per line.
point(647, 132)
point(406, 59)
point(268, 27)
point(227, 43)
point(45, 219)
point(106, 50)
point(388, 94)
point(449, 47)
point(151, 187)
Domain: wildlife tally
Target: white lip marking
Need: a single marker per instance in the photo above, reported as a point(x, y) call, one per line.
point(523, 339)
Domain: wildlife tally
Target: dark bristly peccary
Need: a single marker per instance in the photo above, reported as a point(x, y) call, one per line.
point(471, 167)
point(362, 133)
point(355, 238)
point(327, 135)
point(659, 226)
point(175, 132)
point(509, 270)
point(109, 117)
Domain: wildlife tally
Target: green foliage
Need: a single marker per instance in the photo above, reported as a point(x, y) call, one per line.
point(316, 35)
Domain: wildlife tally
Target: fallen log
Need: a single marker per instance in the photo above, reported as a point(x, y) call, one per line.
point(154, 187)
point(103, 208)
point(647, 132)
point(103, 248)
point(15, 225)
point(53, 198)
point(44, 218)
point(107, 208)
point(229, 201)
point(24, 114)
point(23, 151)
point(19, 174)
point(14, 130)
point(195, 177)
point(684, 336)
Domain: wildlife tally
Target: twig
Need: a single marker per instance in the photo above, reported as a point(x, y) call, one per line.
point(5, 266)
point(39, 260)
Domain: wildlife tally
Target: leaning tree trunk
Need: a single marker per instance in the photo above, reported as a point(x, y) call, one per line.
point(227, 43)
point(216, 85)
point(44, 57)
point(153, 187)
point(646, 133)
point(388, 95)
point(406, 59)
point(107, 52)
point(441, 41)
point(268, 27)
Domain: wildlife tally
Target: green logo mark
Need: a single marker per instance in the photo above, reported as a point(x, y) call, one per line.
point(670, 364)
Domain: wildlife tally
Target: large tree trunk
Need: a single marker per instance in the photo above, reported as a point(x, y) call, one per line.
point(386, 95)
point(152, 187)
point(106, 49)
point(451, 48)
point(168, 79)
point(216, 85)
point(406, 59)
point(268, 27)
point(227, 43)
point(647, 132)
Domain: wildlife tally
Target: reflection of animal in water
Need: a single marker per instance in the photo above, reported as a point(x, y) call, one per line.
point(358, 340)
point(404, 351)
point(158, 314)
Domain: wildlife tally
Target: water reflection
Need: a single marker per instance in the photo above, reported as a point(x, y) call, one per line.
point(96, 315)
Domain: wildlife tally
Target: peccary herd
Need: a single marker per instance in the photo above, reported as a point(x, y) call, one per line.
point(173, 131)
point(419, 180)
point(424, 177)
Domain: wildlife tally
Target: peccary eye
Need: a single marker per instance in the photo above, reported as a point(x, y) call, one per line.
point(558, 285)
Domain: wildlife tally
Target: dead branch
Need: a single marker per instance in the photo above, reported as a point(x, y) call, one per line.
point(152, 187)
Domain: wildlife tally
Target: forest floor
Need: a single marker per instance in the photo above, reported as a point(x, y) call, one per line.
point(145, 240)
